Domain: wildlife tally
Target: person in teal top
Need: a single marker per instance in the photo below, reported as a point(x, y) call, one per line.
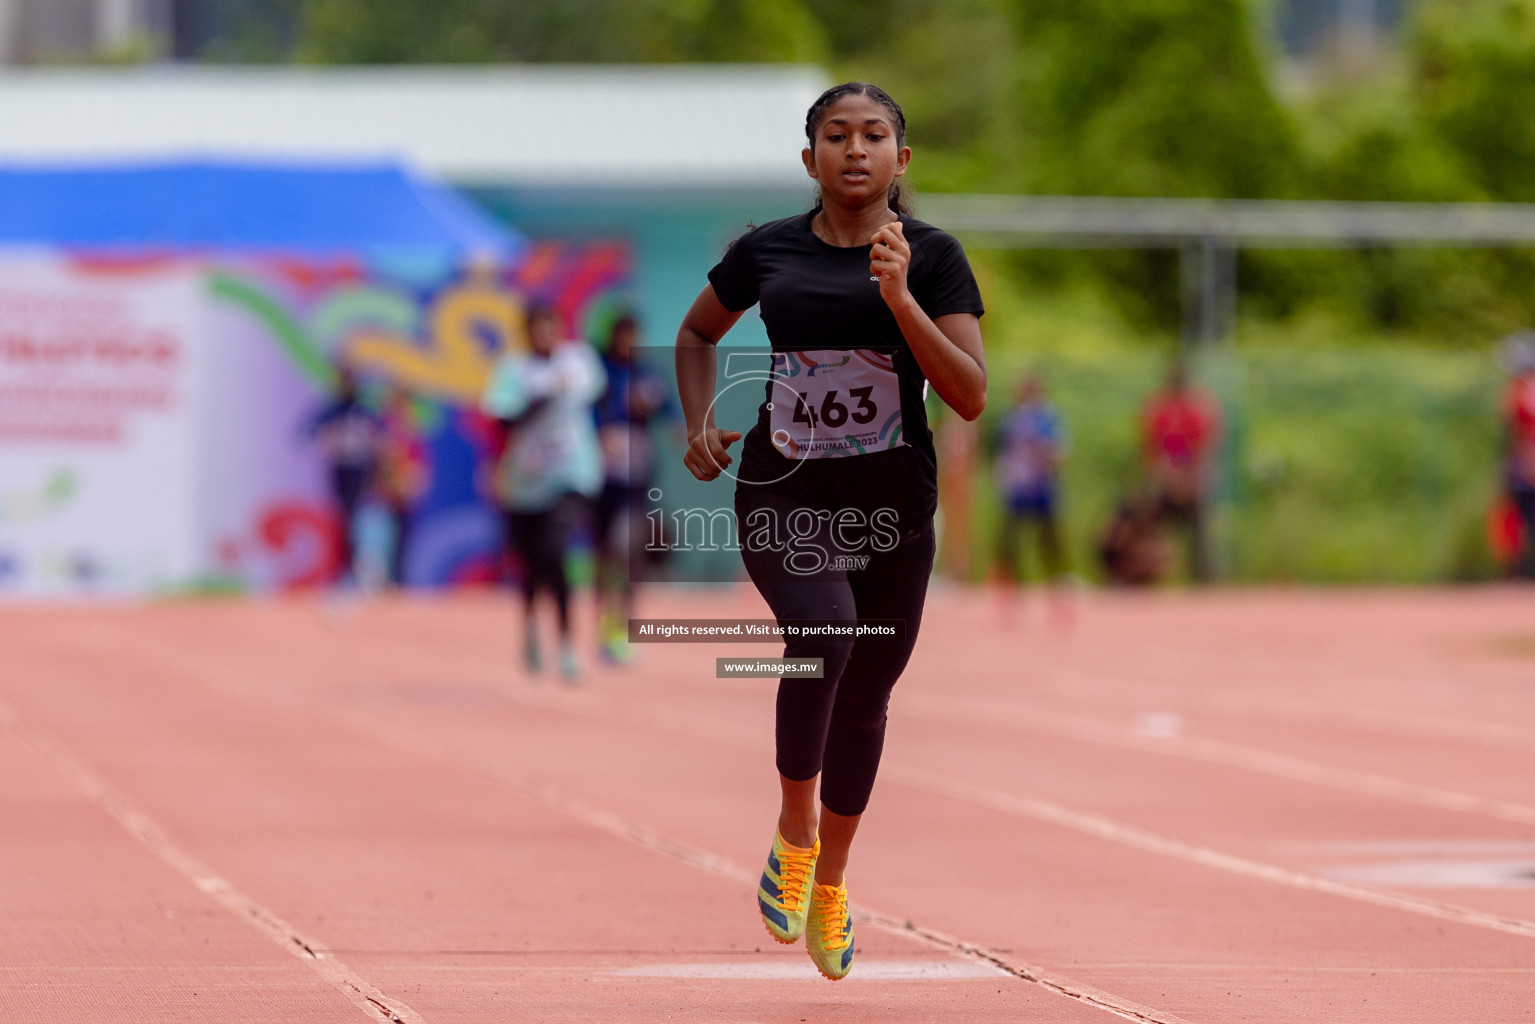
point(550, 467)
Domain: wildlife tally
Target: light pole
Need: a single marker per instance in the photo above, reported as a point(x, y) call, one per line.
point(186, 29)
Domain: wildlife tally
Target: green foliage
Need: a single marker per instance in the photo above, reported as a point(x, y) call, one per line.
point(1110, 97)
point(1403, 438)
point(1445, 122)
point(1367, 142)
point(1471, 68)
point(1152, 98)
point(453, 31)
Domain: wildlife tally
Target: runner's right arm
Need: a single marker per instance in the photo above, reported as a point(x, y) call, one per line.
point(703, 327)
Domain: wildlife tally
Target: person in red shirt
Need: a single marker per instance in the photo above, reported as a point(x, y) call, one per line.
point(1519, 444)
point(1180, 430)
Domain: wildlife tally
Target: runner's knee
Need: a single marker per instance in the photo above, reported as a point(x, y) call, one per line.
point(833, 651)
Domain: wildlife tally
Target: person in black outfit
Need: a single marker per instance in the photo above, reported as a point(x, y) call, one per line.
point(349, 435)
point(865, 306)
point(636, 397)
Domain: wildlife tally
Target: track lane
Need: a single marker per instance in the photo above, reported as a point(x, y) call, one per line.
point(458, 669)
point(125, 931)
point(307, 841)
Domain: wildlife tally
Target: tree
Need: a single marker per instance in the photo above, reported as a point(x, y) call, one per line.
point(1149, 98)
point(1471, 64)
point(448, 31)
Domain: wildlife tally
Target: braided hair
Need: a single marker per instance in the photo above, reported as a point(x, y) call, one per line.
point(897, 197)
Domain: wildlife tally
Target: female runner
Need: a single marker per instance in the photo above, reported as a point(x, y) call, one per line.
point(551, 467)
point(864, 306)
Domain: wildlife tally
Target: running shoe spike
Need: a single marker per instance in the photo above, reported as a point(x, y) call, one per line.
point(829, 932)
point(783, 895)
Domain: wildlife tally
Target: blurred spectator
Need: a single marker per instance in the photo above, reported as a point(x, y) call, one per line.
point(1180, 428)
point(1519, 443)
point(349, 435)
point(1134, 549)
point(1030, 446)
point(636, 396)
point(404, 473)
point(550, 467)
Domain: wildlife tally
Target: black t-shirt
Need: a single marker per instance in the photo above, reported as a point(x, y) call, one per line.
point(818, 296)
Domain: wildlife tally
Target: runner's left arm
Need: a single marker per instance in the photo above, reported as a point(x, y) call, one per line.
point(948, 348)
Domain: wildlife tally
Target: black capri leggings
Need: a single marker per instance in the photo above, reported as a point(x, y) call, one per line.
point(541, 539)
point(835, 726)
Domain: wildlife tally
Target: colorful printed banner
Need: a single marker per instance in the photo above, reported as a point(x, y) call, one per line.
point(98, 425)
point(153, 415)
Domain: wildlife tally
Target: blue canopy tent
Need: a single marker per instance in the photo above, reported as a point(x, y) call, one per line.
point(317, 210)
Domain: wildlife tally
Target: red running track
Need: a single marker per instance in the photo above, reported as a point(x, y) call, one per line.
point(1266, 806)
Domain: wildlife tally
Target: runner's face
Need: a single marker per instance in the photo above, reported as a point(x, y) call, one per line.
point(623, 344)
point(855, 156)
point(543, 334)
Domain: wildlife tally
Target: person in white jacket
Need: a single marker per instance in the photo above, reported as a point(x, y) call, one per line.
point(551, 465)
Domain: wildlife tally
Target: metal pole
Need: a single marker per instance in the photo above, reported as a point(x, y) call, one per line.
point(1218, 357)
point(1191, 264)
point(1209, 292)
point(116, 24)
point(186, 29)
point(1221, 291)
point(13, 33)
point(1207, 280)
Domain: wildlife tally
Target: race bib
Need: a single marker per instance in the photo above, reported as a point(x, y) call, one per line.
point(827, 403)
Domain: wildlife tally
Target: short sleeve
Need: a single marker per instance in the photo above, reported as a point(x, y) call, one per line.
point(734, 277)
point(591, 379)
point(948, 284)
point(504, 397)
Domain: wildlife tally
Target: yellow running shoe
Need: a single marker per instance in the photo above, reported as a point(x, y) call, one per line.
point(783, 895)
point(829, 933)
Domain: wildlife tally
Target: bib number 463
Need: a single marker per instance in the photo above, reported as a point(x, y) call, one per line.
point(832, 412)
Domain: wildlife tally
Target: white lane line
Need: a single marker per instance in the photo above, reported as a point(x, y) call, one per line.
point(1306, 968)
point(795, 970)
point(1404, 848)
point(321, 960)
point(642, 835)
point(1112, 689)
point(1439, 874)
point(1102, 827)
point(1129, 835)
point(970, 711)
